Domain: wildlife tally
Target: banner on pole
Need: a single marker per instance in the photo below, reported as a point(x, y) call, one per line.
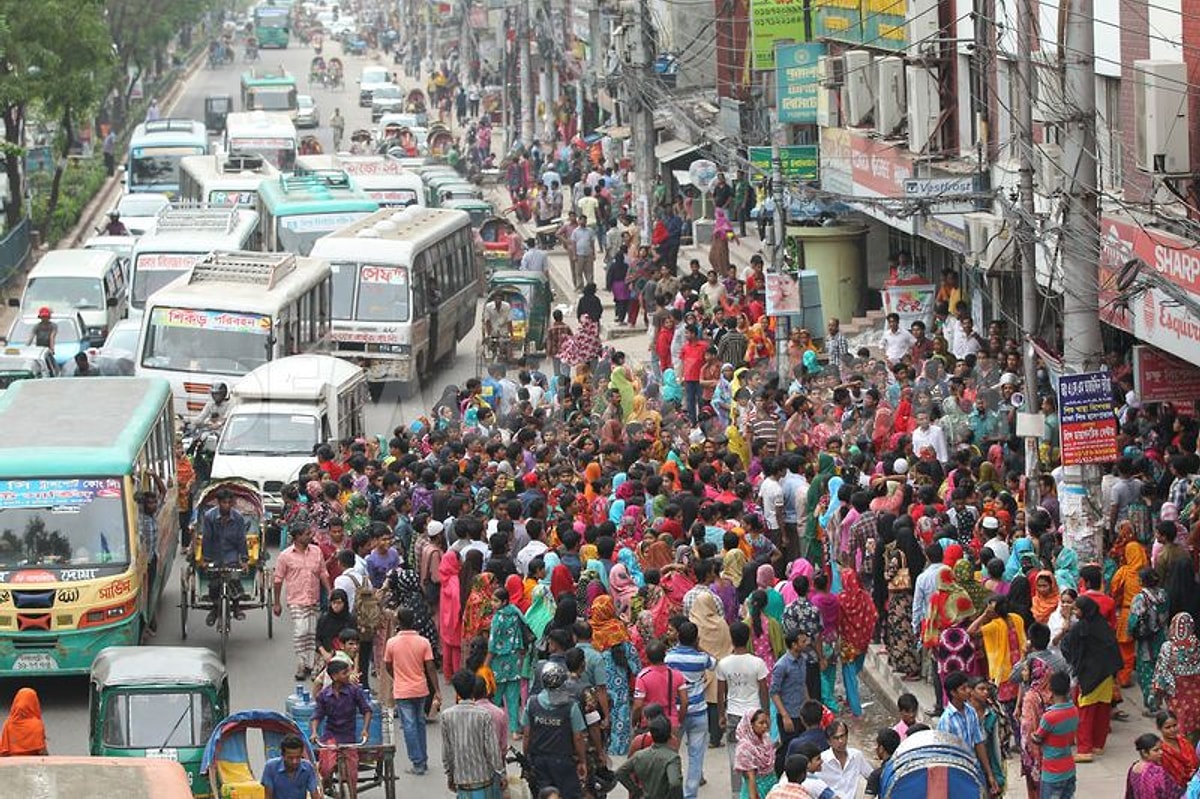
point(1087, 424)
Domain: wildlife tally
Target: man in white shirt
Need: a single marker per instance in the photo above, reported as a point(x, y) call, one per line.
point(999, 547)
point(351, 578)
point(966, 340)
point(770, 495)
point(843, 768)
point(534, 549)
point(896, 342)
point(742, 688)
point(931, 436)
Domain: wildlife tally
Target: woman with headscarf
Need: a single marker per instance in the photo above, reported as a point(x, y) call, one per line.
point(629, 560)
point(944, 630)
point(1002, 629)
point(1066, 569)
point(1045, 596)
point(24, 732)
point(902, 561)
point(610, 637)
point(1149, 615)
point(766, 634)
point(1090, 649)
point(506, 655)
point(623, 381)
point(810, 546)
point(403, 590)
point(1127, 584)
point(450, 613)
point(754, 756)
point(672, 389)
point(515, 587)
point(1177, 673)
point(1146, 778)
point(796, 568)
point(477, 613)
point(1034, 702)
point(964, 576)
point(827, 606)
point(1179, 757)
point(335, 618)
point(1015, 566)
point(623, 591)
point(561, 582)
point(1020, 598)
point(714, 639)
point(856, 623)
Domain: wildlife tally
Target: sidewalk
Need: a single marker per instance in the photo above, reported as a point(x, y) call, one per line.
point(1105, 777)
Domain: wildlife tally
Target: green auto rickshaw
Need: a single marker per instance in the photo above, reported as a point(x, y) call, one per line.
point(157, 702)
point(530, 297)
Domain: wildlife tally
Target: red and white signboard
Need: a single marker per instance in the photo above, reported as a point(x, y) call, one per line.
point(1160, 378)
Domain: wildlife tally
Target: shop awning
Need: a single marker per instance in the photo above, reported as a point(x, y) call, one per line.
point(673, 150)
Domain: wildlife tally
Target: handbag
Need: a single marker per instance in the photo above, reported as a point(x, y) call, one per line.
point(901, 579)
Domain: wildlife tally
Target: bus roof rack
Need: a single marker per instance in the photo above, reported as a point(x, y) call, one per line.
point(170, 123)
point(268, 72)
point(196, 217)
point(242, 162)
point(252, 268)
point(310, 178)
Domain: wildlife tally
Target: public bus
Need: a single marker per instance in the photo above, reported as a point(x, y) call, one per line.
point(383, 178)
point(155, 150)
point(270, 136)
point(272, 26)
point(223, 181)
point(296, 210)
point(73, 460)
point(268, 90)
point(183, 236)
point(94, 777)
point(231, 313)
point(387, 269)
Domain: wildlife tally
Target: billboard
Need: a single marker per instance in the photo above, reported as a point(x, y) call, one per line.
point(773, 22)
point(796, 82)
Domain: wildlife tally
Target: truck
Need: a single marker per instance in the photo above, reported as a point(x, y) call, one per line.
point(281, 412)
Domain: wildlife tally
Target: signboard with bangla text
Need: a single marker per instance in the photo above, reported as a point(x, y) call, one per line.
point(799, 161)
point(225, 321)
point(883, 24)
point(1159, 377)
point(1087, 423)
point(773, 22)
point(840, 20)
point(796, 82)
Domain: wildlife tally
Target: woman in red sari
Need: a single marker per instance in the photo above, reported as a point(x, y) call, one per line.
point(1178, 755)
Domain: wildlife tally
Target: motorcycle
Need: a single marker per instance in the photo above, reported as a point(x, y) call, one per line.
point(251, 54)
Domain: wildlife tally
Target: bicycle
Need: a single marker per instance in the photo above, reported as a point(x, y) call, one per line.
point(231, 580)
point(338, 784)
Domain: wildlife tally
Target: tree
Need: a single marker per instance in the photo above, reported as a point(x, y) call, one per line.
point(141, 31)
point(55, 56)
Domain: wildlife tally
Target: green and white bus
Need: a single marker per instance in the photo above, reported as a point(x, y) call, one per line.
point(296, 210)
point(155, 150)
point(75, 576)
point(272, 25)
point(268, 90)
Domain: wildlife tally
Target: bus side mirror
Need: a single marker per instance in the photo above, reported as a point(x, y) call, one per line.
point(111, 302)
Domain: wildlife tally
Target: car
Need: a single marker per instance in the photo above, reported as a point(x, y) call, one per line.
point(69, 342)
point(373, 77)
point(121, 245)
point(389, 98)
point(404, 119)
point(342, 25)
point(139, 211)
point(116, 356)
point(25, 363)
point(306, 115)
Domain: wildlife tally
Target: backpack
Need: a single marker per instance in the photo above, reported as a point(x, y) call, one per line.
point(1147, 624)
point(368, 612)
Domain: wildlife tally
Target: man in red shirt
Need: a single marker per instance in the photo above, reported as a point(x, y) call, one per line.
point(1092, 577)
point(692, 357)
point(662, 342)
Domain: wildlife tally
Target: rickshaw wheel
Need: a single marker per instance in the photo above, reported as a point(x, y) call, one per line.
point(224, 617)
point(184, 601)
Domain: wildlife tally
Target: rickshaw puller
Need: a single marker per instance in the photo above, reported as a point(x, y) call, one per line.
point(338, 706)
point(224, 544)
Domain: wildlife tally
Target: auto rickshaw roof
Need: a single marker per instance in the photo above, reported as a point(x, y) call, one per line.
point(157, 665)
point(502, 277)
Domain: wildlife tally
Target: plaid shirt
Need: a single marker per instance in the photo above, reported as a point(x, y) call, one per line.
point(963, 723)
point(838, 349)
point(556, 336)
point(861, 540)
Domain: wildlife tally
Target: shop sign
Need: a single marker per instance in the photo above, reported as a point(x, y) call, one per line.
point(797, 161)
point(884, 24)
point(1158, 377)
point(943, 230)
point(1088, 426)
point(879, 167)
point(773, 22)
point(840, 20)
point(836, 174)
point(1150, 315)
point(796, 82)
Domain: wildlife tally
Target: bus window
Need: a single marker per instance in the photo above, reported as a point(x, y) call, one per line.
point(383, 294)
point(345, 280)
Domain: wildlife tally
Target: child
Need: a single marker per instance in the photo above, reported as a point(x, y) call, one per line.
point(383, 559)
point(643, 740)
point(1056, 734)
point(907, 706)
point(886, 742)
point(347, 653)
point(801, 768)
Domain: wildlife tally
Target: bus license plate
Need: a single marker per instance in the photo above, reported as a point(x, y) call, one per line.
point(35, 662)
point(163, 754)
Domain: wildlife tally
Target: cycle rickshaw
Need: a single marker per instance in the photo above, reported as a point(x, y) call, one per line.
point(252, 583)
point(529, 299)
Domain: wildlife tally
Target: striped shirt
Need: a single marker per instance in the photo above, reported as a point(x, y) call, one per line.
point(470, 750)
point(963, 723)
point(692, 664)
point(1056, 731)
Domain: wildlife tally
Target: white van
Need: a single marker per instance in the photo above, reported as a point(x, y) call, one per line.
point(281, 411)
point(92, 282)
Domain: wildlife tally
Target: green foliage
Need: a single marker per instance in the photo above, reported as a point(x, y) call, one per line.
point(81, 181)
point(141, 29)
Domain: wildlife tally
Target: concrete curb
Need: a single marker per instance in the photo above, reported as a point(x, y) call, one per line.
point(888, 686)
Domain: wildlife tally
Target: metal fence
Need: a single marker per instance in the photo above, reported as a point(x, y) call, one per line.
point(15, 249)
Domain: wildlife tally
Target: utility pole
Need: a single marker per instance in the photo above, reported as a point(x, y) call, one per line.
point(1025, 232)
point(1082, 346)
point(637, 86)
point(526, 73)
point(777, 250)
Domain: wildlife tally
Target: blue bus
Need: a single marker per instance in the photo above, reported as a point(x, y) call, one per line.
point(155, 151)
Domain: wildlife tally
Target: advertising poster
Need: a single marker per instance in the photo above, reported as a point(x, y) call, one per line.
point(772, 22)
point(1158, 377)
point(796, 82)
point(840, 20)
point(910, 302)
point(783, 294)
point(1088, 425)
point(799, 161)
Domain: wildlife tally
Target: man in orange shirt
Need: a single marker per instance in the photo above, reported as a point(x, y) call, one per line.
point(409, 657)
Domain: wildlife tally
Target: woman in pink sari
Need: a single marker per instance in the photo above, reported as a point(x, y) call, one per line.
point(799, 567)
point(450, 612)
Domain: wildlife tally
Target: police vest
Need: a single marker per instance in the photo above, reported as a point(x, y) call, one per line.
point(550, 729)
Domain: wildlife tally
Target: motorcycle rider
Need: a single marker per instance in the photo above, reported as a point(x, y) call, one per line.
point(212, 416)
point(115, 226)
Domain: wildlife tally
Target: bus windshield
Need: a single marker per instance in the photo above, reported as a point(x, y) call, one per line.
point(269, 434)
point(206, 341)
point(153, 270)
point(59, 523)
point(282, 98)
point(158, 166)
point(271, 20)
point(382, 294)
point(64, 292)
point(300, 232)
point(280, 153)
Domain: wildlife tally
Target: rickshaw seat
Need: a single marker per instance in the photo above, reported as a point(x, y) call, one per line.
point(237, 781)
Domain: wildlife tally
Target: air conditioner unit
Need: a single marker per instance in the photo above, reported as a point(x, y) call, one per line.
point(1048, 170)
point(1160, 107)
point(924, 109)
point(829, 107)
point(831, 70)
point(922, 27)
point(1047, 86)
point(858, 87)
point(890, 102)
point(990, 246)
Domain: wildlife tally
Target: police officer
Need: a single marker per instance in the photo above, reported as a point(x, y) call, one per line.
point(554, 730)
